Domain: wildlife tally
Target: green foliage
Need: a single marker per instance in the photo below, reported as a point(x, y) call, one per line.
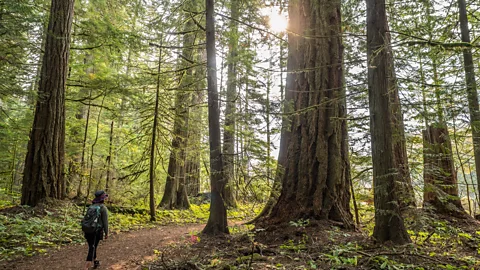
point(340, 257)
point(300, 223)
point(8, 200)
point(245, 211)
point(290, 245)
point(28, 232)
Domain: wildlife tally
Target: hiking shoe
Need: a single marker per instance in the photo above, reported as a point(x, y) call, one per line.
point(96, 264)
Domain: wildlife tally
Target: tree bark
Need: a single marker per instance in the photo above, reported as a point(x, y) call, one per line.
point(406, 195)
point(471, 88)
point(175, 189)
point(230, 110)
point(43, 175)
point(440, 177)
point(389, 224)
point(217, 221)
point(316, 179)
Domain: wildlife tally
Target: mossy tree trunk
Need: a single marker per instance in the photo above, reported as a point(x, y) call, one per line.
point(43, 175)
point(175, 196)
point(315, 182)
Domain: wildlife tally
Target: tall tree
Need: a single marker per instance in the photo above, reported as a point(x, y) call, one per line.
point(175, 195)
point(406, 196)
point(217, 221)
point(471, 87)
point(389, 224)
point(154, 138)
point(43, 175)
point(230, 111)
point(316, 178)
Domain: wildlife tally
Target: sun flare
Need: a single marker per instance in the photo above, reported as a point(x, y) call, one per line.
point(277, 22)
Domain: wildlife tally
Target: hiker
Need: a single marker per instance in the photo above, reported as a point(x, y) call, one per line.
point(94, 224)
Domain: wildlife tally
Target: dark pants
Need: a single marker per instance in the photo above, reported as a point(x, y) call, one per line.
point(93, 239)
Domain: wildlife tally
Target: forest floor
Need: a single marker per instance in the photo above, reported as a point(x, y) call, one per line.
point(438, 242)
point(125, 250)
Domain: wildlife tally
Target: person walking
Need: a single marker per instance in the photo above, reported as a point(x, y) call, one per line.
point(95, 225)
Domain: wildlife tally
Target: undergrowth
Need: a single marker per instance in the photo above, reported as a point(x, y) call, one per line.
point(437, 243)
point(26, 231)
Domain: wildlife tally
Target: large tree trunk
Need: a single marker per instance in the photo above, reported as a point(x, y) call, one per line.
point(43, 176)
point(217, 221)
point(441, 189)
point(169, 198)
point(471, 88)
point(175, 190)
point(230, 111)
point(316, 179)
point(389, 224)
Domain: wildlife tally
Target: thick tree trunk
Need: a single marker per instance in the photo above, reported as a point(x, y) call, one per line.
point(169, 198)
point(441, 188)
point(230, 111)
point(175, 190)
point(192, 175)
point(217, 221)
point(316, 179)
point(471, 88)
point(43, 175)
point(389, 224)
point(406, 195)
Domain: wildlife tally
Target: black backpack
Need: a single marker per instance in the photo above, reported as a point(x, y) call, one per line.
point(91, 221)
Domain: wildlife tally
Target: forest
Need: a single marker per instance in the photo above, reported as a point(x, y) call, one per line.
point(241, 134)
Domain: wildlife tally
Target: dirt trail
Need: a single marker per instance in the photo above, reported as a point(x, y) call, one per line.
point(126, 250)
